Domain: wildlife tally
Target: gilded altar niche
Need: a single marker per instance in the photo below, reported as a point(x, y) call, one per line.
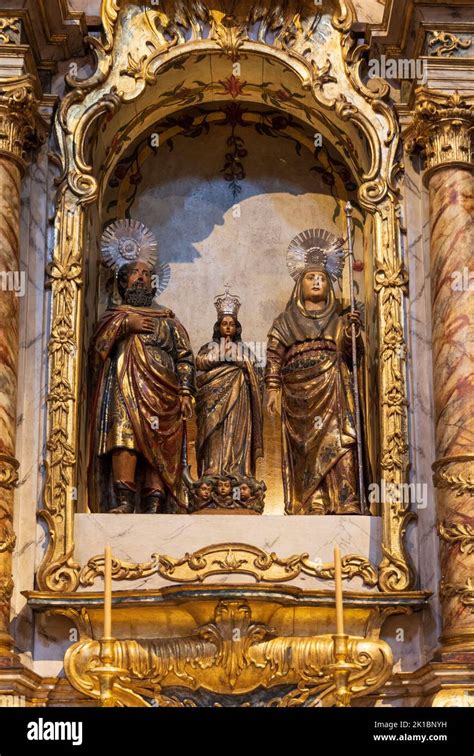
point(225, 220)
point(226, 133)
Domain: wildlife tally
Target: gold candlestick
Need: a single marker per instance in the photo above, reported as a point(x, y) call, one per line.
point(340, 670)
point(107, 671)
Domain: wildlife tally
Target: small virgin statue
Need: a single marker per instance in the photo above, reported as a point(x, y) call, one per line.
point(229, 398)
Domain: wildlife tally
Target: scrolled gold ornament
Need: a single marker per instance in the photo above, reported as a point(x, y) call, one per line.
point(464, 592)
point(10, 30)
point(459, 480)
point(231, 558)
point(444, 44)
point(461, 533)
point(8, 471)
point(21, 126)
point(7, 541)
point(6, 588)
point(217, 659)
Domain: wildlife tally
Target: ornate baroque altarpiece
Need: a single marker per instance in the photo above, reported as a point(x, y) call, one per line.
point(153, 61)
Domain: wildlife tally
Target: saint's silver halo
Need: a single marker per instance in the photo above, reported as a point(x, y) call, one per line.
point(316, 247)
point(126, 241)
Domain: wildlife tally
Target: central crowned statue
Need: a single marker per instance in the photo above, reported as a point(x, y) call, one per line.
point(144, 380)
point(229, 402)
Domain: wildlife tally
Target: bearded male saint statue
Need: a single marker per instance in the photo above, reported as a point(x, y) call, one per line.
point(145, 384)
point(308, 367)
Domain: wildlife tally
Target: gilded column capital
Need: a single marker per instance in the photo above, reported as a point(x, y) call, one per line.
point(8, 471)
point(442, 126)
point(21, 125)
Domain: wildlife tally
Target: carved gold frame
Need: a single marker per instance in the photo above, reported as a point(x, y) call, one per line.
point(134, 53)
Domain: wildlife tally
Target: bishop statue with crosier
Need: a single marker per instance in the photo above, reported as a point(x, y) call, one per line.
point(308, 372)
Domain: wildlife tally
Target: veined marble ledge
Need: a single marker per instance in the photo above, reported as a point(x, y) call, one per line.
point(282, 549)
point(153, 551)
point(170, 573)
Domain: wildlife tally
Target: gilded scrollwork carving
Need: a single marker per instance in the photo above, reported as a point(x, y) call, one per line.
point(375, 94)
point(173, 702)
point(464, 592)
point(354, 60)
point(460, 533)
point(344, 16)
point(7, 542)
point(8, 471)
point(10, 30)
point(377, 619)
point(7, 539)
point(459, 483)
point(229, 655)
point(144, 69)
point(460, 479)
point(80, 617)
point(6, 588)
point(229, 35)
point(372, 661)
point(250, 20)
point(391, 281)
point(8, 480)
point(58, 570)
point(109, 12)
point(444, 44)
point(231, 558)
point(233, 633)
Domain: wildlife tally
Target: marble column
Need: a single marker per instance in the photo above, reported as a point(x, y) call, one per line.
point(20, 129)
point(443, 126)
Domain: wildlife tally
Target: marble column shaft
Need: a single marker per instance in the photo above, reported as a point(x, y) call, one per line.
point(18, 132)
point(444, 125)
point(9, 270)
point(452, 246)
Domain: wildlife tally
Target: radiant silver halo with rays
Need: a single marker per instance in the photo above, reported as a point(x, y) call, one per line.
point(126, 241)
point(315, 246)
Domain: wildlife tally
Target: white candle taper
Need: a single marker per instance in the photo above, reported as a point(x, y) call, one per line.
point(108, 592)
point(338, 584)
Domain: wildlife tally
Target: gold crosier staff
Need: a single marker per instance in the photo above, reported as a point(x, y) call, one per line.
point(355, 377)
